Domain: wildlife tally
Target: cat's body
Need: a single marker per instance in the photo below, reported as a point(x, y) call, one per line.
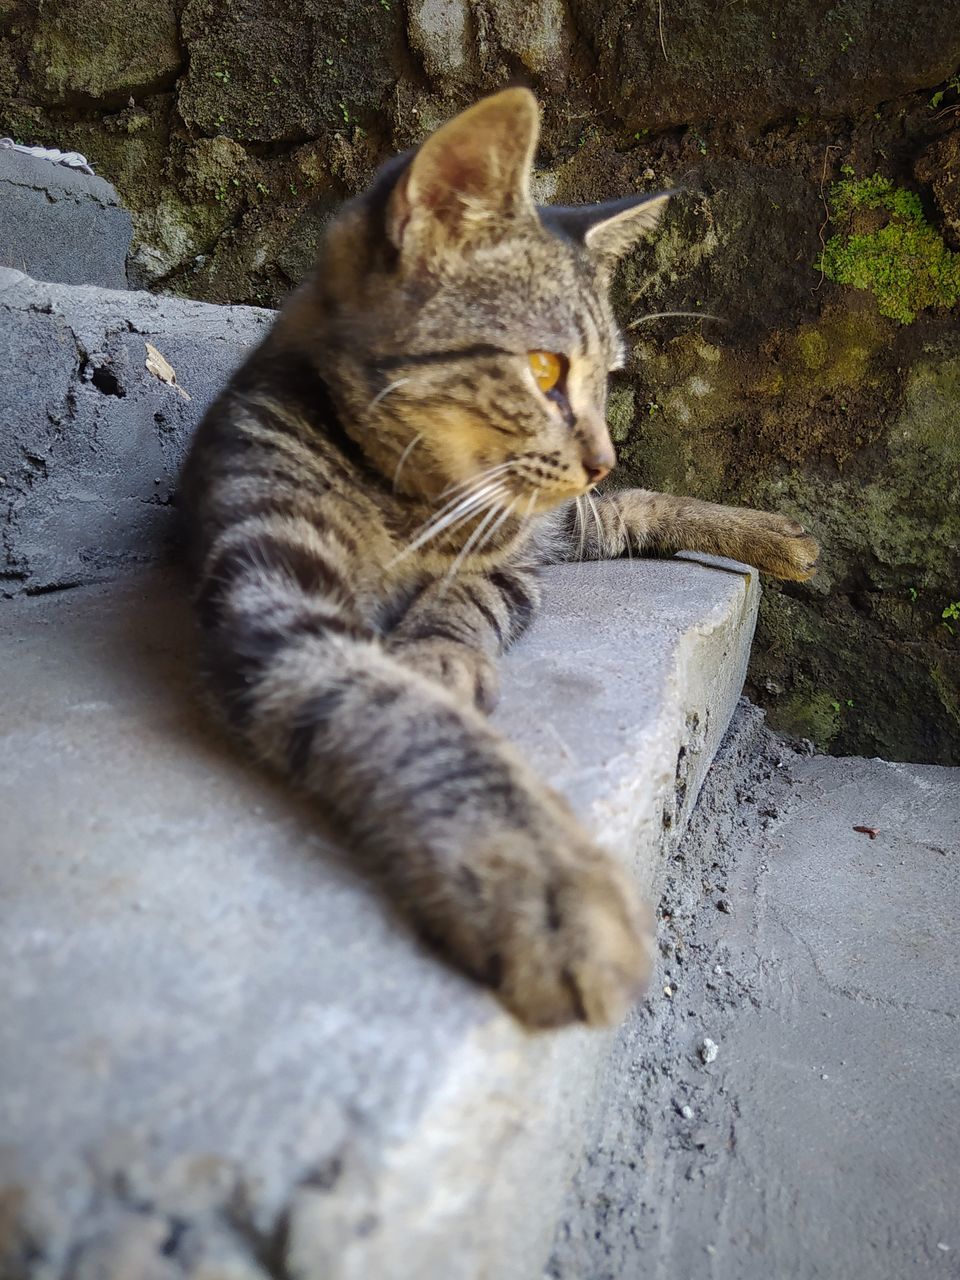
point(367, 504)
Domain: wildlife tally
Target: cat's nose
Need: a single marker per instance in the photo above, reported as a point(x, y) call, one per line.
point(598, 462)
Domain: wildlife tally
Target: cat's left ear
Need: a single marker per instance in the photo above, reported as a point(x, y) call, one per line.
point(608, 230)
point(468, 178)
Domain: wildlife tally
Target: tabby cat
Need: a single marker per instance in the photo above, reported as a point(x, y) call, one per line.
point(368, 502)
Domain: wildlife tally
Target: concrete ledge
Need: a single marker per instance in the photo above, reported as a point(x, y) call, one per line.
point(91, 441)
point(60, 224)
point(223, 1057)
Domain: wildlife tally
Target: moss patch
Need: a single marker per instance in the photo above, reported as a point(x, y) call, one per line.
point(620, 412)
point(904, 262)
point(105, 50)
point(808, 714)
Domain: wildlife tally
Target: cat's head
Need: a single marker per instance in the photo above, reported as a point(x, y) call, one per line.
point(472, 333)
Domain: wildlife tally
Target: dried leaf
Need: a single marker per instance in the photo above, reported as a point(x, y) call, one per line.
point(161, 368)
point(872, 832)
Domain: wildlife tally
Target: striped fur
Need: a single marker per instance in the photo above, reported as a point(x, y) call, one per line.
point(367, 503)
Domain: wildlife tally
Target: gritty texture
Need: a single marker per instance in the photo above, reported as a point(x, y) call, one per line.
point(92, 440)
point(59, 224)
point(823, 1139)
point(219, 1046)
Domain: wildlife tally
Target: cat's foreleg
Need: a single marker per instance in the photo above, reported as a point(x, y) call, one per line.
point(639, 521)
point(454, 631)
point(487, 861)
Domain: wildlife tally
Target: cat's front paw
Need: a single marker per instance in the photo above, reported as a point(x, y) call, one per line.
point(567, 938)
point(590, 958)
point(467, 673)
point(781, 547)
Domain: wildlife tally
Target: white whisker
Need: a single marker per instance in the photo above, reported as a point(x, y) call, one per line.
point(596, 520)
point(461, 507)
point(461, 511)
point(626, 535)
point(452, 505)
point(582, 526)
point(491, 532)
point(403, 457)
point(488, 474)
point(472, 541)
point(525, 518)
point(382, 395)
point(662, 315)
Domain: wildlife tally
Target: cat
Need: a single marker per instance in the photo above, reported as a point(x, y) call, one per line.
point(367, 503)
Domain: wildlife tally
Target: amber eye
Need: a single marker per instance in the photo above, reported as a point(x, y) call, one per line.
point(547, 368)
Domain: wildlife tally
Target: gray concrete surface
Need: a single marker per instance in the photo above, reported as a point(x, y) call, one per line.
point(222, 1056)
point(60, 224)
point(91, 440)
point(824, 1139)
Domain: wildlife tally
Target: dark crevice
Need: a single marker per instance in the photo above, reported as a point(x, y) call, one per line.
point(49, 588)
point(103, 378)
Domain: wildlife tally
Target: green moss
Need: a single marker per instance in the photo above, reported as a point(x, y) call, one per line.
point(835, 354)
point(9, 76)
point(85, 47)
point(904, 263)
point(876, 192)
point(869, 628)
point(23, 122)
point(812, 715)
point(926, 440)
point(947, 684)
point(812, 348)
point(620, 412)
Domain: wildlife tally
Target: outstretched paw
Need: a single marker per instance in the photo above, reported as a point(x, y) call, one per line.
point(557, 929)
point(790, 552)
point(592, 959)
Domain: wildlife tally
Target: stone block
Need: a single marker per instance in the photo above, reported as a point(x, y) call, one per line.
point(60, 224)
point(92, 440)
point(218, 1041)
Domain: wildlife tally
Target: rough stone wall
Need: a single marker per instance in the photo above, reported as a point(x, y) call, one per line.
point(231, 132)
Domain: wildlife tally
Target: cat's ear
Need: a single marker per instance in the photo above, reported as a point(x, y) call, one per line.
point(468, 178)
point(608, 230)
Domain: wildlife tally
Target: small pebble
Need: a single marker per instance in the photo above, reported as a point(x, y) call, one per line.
point(944, 1248)
point(686, 1112)
point(723, 905)
point(718, 968)
point(668, 992)
point(708, 1050)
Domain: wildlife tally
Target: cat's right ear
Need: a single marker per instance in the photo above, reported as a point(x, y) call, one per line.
point(467, 179)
